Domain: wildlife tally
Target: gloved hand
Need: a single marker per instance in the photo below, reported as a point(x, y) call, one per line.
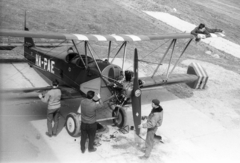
point(201, 36)
point(98, 96)
point(140, 126)
point(40, 95)
point(144, 117)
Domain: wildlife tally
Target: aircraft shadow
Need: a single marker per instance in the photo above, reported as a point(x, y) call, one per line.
point(30, 104)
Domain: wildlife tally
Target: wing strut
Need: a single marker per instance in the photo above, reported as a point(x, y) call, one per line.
point(181, 55)
point(93, 57)
point(79, 54)
point(125, 42)
point(109, 49)
point(163, 58)
point(85, 48)
point(124, 55)
point(174, 43)
point(102, 76)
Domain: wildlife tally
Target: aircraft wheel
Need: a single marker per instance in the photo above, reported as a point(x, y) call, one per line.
point(73, 124)
point(121, 119)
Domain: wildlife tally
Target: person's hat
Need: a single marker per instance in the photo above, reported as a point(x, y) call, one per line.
point(156, 102)
point(201, 25)
point(55, 83)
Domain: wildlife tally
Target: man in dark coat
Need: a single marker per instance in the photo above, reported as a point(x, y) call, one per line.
point(88, 121)
point(203, 31)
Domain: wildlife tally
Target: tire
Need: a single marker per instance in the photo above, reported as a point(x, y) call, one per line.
point(121, 119)
point(73, 123)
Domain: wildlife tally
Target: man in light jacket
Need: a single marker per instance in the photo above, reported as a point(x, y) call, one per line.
point(154, 120)
point(52, 97)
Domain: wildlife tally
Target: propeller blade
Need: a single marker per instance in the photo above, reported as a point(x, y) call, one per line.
point(136, 96)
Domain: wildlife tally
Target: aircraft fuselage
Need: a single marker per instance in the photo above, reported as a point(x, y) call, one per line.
point(70, 70)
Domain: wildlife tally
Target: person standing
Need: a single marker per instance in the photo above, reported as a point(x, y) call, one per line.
point(88, 120)
point(154, 120)
point(52, 97)
point(70, 50)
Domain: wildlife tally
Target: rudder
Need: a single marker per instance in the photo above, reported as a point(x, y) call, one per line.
point(197, 69)
point(28, 41)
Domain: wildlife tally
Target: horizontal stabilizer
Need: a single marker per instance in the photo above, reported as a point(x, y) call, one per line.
point(160, 80)
point(195, 78)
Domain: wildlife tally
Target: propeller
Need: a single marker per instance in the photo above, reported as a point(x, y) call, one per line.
point(136, 96)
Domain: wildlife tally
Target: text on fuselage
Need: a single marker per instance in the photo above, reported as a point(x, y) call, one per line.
point(44, 63)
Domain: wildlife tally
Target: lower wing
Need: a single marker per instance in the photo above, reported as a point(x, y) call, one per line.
point(67, 92)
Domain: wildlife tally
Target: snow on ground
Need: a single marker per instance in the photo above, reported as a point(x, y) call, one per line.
point(19, 73)
point(220, 100)
point(205, 124)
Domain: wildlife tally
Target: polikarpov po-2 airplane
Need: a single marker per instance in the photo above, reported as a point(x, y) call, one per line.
point(78, 73)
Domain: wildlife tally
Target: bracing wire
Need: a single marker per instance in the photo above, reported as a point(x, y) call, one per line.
point(57, 45)
point(155, 49)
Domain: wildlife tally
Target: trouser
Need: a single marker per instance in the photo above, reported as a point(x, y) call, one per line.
point(150, 140)
point(88, 131)
point(52, 115)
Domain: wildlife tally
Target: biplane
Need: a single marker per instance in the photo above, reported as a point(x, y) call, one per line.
point(78, 72)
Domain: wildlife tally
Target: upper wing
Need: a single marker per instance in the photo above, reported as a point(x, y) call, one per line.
point(92, 37)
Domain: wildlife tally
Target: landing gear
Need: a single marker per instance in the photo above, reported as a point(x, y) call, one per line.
point(121, 117)
point(73, 124)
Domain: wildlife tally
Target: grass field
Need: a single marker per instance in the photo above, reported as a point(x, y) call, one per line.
point(125, 17)
point(224, 14)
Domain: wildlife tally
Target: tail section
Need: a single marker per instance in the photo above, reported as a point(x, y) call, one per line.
point(200, 72)
point(195, 78)
point(28, 41)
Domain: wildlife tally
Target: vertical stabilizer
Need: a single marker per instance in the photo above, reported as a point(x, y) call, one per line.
point(28, 41)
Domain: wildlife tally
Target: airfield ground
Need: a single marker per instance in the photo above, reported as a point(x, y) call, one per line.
point(199, 125)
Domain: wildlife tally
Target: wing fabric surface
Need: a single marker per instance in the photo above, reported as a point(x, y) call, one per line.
point(67, 93)
point(26, 90)
point(92, 37)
